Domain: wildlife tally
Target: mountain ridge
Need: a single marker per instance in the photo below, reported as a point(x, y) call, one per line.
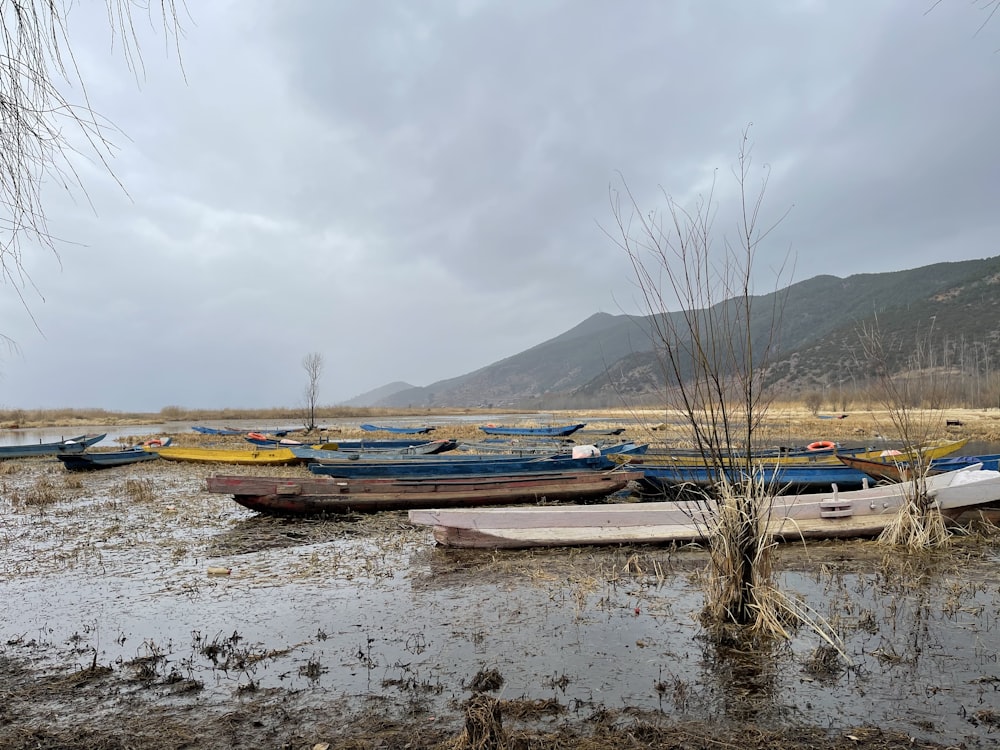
point(950, 310)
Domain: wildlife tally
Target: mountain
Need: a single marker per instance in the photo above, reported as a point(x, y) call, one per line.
point(942, 317)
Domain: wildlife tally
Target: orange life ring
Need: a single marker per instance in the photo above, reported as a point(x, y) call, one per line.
point(821, 445)
point(257, 435)
point(154, 443)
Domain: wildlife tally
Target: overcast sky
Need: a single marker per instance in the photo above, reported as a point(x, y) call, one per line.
point(415, 190)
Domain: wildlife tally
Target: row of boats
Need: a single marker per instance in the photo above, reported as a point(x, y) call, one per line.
point(453, 502)
point(820, 490)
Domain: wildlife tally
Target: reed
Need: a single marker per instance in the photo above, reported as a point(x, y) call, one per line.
point(138, 490)
point(41, 493)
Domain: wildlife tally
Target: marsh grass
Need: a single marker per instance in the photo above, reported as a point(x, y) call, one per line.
point(73, 482)
point(42, 493)
point(918, 524)
point(138, 490)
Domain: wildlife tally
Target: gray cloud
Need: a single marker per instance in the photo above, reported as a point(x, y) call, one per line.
point(418, 191)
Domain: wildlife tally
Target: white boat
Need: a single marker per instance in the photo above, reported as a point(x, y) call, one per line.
point(818, 515)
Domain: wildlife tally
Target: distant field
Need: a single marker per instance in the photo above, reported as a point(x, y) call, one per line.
point(784, 422)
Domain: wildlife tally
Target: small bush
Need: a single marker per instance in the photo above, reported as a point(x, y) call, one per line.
point(813, 401)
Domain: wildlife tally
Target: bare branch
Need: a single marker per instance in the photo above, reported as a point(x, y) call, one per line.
point(39, 125)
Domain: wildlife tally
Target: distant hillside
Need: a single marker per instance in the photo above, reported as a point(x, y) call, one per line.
point(372, 398)
point(946, 315)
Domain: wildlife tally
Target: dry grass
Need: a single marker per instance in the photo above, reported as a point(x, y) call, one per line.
point(916, 526)
point(41, 493)
point(139, 490)
point(786, 422)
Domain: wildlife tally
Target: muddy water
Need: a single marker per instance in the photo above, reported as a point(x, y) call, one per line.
point(114, 569)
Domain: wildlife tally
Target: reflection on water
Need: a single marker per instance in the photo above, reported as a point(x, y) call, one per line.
point(369, 606)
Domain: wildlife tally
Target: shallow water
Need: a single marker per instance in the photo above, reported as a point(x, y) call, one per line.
point(118, 433)
point(369, 606)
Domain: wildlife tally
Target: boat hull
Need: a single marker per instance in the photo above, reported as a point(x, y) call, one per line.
point(551, 431)
point(108, 460)
point(274, 457)
point(430, 466)
point(73, 445)
point(822, 515)
point(309, 496)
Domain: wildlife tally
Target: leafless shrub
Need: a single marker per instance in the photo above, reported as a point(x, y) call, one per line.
point(713, 352)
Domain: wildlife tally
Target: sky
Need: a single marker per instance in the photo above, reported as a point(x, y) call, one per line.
point(415, 190)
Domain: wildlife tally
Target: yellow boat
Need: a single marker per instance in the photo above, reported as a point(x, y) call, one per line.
point(275, 456)
point(930, 451)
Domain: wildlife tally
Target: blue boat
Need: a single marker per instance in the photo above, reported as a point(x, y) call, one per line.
point(781, 477)
point(77, 444)
point(429, 466)
point(352, 444)
point(550, 431)
point(106, 459)
point(397, 430)
point(990, 462)
point(216, 430)
point(317, 453)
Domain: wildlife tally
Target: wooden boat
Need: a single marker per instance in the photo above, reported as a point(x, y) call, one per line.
point(397, 430)
point(897, 471)
point(105, 459)
point(317, 495)
point(440, 466)
point(355, 445)
point(549, 431)
point(826, 453)
point(88, 461)
point(336, 453)
point(265, 441)
point(276, 456)
point(545, 447)
point(820, 515)
point(782, 478)
point(216, 430)
point(77, 444)
point(930, 451)
point(600, 431)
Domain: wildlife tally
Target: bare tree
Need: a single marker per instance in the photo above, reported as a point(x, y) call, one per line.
point(313, 365)
point(714, 352)
point(918, 523)
point(40, 128)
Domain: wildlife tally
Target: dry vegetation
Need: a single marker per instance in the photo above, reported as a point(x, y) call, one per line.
point(786, 423)
point(13, 418)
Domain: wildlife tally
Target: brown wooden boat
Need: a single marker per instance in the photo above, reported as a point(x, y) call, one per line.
point(893, 470)
point(315, 495)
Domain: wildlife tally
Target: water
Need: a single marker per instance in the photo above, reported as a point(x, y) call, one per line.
point(348, 609)
point(118, 433)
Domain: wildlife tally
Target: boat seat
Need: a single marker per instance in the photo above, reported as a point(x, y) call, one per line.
point(834, 507)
